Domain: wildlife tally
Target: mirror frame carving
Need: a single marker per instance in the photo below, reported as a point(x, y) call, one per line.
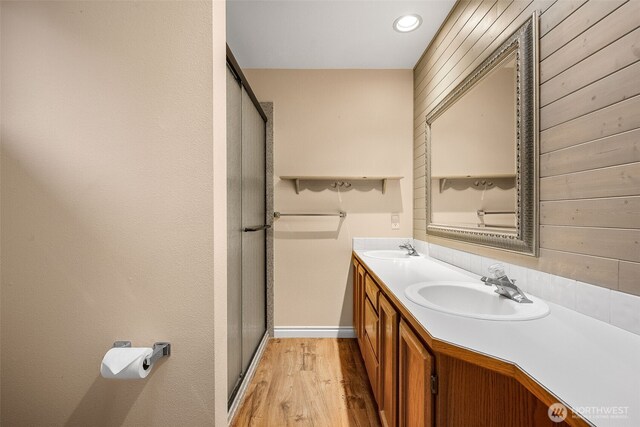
point(524, 42)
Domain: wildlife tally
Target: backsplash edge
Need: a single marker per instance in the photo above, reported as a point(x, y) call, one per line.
point(616, 308)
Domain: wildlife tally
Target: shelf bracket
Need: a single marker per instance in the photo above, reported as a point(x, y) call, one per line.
point(443, 184)
point(384, 186)
point(297, 184)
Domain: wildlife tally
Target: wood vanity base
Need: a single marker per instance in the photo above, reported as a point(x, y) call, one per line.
point(420, 381)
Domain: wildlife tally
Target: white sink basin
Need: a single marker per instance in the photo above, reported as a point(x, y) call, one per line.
point(474, 300)
point(392, 254)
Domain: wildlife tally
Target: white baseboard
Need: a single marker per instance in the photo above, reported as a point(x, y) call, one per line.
point(313, 332)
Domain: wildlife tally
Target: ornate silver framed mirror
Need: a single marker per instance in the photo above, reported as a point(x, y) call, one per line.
point(482, 151)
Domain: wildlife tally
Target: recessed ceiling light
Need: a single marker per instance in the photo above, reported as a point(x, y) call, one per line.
point(407, 23)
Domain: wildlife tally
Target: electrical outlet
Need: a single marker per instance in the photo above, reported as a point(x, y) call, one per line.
point(395, 222)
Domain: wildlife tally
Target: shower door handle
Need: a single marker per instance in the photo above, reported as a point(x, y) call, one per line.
point(258, 228)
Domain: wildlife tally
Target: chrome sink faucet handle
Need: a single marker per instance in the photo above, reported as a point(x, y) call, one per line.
point(504, 286)
point(411, 251)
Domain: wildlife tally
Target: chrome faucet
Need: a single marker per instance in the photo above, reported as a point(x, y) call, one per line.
point(411, 251)
point(505, 286)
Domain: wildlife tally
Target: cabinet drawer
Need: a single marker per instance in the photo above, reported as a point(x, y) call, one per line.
point(371, 326)
point(372, 291)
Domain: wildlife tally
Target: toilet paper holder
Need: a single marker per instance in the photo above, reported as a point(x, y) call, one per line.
point(160, 349)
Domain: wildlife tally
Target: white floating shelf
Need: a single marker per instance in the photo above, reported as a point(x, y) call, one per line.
point(494, 176)
point(443, 179)
point(383, 179)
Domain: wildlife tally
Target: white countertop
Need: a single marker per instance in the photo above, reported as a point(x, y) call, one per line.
point(583, 361)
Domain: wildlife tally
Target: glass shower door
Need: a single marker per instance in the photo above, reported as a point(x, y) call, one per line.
point(246, 231)
point(254, 227)
point(234, 233)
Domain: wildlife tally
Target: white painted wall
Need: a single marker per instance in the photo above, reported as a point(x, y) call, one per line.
point(107, 203)
point(334, 122)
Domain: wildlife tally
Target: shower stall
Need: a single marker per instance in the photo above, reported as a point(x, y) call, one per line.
point(246, 226)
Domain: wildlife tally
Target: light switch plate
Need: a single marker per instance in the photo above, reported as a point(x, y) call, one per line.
point(395, 222)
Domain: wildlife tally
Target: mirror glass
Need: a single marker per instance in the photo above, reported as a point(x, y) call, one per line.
point(473, 155)
point(482, 148)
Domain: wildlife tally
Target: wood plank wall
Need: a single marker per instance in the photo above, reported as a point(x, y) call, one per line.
point(589, 128)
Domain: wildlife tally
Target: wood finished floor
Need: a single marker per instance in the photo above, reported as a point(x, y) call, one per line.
point(309, 382)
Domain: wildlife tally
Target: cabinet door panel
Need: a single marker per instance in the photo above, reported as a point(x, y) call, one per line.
point(371, 364)
point(361, 301)
point(372, 291)
point(472, 395)
point(371, 326)
point(388, 362)
point(356, 297)
point(416, 365)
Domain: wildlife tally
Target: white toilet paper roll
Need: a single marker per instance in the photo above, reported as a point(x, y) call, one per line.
point(125, 363)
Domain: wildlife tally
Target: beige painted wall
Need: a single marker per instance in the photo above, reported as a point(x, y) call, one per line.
point(107, 209)
point(589, 123)
point(476, 138)
point(477, 134)
point(219, 38)
point(334, 122)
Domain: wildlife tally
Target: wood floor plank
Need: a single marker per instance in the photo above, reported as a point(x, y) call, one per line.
point(309, 382)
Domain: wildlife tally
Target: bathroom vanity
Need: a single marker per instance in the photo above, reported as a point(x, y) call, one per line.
point(428, 368)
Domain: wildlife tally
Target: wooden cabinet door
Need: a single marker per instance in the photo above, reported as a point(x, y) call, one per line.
point(416, 366)
point(388, 362)
point(361, 298)
point(356, 298)
point(371, 290)
point(371, 326)
point(370, 345)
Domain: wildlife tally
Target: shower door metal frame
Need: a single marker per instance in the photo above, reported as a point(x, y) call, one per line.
point(235, 69)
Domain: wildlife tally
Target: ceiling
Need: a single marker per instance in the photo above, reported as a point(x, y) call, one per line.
point(311, 34)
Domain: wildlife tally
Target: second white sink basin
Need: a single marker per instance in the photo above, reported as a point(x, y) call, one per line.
point(474, 300)
point(389, 254)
